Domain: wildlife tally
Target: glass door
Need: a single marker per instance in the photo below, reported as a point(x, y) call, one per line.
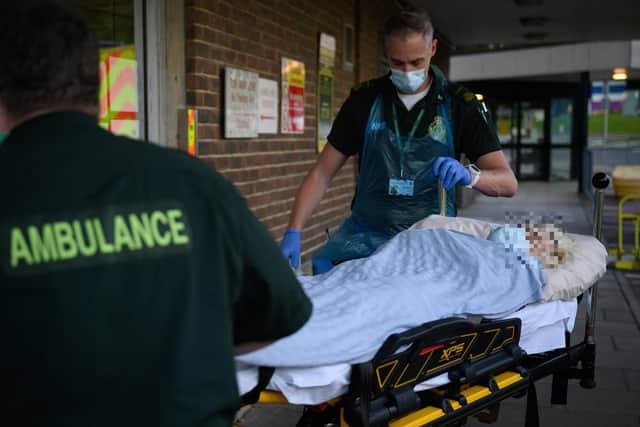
point(561, 132)
point(507, 128)
point(532, 149)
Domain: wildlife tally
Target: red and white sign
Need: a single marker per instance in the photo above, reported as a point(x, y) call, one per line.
point(292, 96)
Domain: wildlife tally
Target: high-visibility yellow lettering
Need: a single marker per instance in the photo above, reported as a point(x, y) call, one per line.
point(87, 247)
point(141, 230)
point(96, 237)
point(43, 243)
point(121, 234)
point(162, 239)
point(19, 248)
point(66, 243)
point(105, 247)
point(177, 227)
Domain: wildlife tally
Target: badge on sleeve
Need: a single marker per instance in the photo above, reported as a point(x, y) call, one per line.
point(400, 187)
point(437, 130)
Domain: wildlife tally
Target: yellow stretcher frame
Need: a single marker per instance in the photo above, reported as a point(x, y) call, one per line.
point(429, 414)
point(620, 251)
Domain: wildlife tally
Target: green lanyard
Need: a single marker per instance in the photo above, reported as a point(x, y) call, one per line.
point(403, 147)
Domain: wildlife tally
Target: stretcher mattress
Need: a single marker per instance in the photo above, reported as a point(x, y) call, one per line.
point(543, 329)
point(584, 265)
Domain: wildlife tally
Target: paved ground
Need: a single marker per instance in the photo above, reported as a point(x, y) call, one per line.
point(616, 399)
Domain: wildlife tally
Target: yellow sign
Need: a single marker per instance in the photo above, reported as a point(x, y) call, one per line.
point(119, 91)
point(191, 131)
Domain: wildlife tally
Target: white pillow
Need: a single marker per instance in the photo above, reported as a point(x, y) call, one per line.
point(586, 263)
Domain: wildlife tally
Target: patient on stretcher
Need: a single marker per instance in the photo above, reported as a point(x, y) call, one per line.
point(416, 277)
point(421, 276)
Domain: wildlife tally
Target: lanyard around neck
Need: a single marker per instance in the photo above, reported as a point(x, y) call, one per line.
point(403, 146)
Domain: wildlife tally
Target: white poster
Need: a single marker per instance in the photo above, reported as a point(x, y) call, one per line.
point(268, 106)
point(240, 103)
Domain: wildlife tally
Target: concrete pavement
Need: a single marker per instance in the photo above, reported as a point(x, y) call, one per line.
point(616, 399)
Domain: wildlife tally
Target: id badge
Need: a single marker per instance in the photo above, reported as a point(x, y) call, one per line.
point(400, 187)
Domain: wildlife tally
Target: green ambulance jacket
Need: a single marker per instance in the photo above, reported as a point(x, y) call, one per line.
point(128, 273)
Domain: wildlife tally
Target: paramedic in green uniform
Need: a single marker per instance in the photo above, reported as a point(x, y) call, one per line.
point(408, 128)
point(130, 274)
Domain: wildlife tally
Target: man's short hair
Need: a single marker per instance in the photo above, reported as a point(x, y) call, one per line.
point(409, 20)
point(48, 58)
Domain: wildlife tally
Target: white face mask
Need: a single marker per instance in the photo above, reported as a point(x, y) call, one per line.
point(408, 82)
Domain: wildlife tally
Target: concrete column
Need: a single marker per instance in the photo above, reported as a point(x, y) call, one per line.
point(164, 35)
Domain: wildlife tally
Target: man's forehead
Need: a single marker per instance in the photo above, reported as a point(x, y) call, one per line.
point(410, 58)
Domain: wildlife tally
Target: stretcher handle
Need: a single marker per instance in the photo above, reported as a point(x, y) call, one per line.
point(442, 198)
point(600, 182)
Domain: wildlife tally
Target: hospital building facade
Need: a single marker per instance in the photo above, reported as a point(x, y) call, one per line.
point(251, 86)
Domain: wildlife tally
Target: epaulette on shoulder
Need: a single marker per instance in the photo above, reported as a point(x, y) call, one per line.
point(459, 91)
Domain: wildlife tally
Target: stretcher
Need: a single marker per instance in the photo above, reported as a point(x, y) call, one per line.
point(482, 360)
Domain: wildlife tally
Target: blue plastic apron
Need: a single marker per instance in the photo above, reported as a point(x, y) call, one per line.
point(379, 209)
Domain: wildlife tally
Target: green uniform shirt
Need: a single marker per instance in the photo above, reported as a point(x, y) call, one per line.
point(128, 272)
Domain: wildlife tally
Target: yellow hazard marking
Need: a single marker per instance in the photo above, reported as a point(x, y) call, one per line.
point(268, 396)
point(508, 378)
point(418, 418)
point(495, 332)
point(475, 392)
point(382, 382)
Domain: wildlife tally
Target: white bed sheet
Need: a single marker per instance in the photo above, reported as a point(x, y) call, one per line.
point(543, 329)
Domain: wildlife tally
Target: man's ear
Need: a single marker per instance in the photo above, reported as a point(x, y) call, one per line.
point(434, 46)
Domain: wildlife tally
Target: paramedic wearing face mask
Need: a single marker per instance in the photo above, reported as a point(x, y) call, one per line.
point(408, 128)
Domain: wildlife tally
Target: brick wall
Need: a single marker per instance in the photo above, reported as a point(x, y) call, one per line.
point(254, 35)
point(372, 16)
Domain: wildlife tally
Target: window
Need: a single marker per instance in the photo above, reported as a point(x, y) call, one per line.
point(120, 94)
point(349, 47)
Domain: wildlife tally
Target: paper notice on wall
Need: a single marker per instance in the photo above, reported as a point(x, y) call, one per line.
point(268, 106)
point(292, 119)
point(241, 103)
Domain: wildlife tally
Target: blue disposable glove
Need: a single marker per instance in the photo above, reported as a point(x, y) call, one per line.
point(451, 172)
point(321, 265)
point(290, 246)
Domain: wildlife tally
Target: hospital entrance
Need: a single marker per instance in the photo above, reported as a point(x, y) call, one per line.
point(540, 124)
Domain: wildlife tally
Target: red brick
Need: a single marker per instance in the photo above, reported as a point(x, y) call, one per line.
point(255, 35)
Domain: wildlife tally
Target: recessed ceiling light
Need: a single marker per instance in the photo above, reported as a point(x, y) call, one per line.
point(619, 74)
